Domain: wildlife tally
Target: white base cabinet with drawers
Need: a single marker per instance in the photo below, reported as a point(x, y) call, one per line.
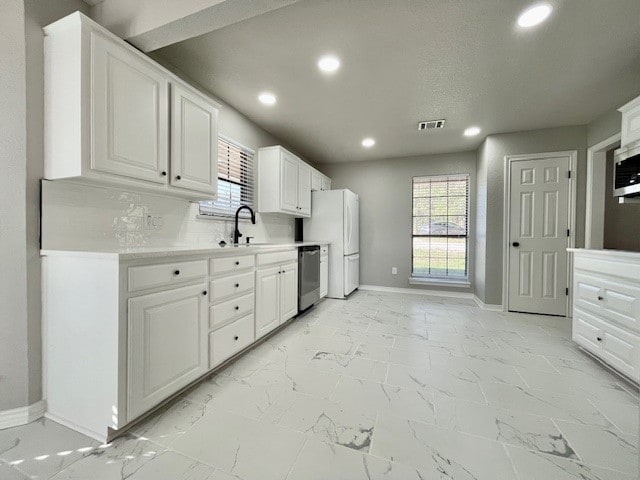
point(123, 333)
point(606, 307)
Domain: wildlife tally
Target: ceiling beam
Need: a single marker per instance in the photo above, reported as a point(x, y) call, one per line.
point(153, 24)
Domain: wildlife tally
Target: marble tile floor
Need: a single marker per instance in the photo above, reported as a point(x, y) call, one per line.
point(381, 386)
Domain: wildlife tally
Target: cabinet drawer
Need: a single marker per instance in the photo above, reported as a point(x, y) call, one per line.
point(150, 276)
point(586, 331)
point(224, 287)
point(613, 299)
point(224, 265)
point(230, 339)
point(620, 350)
point(224, 312)
point(277, 257)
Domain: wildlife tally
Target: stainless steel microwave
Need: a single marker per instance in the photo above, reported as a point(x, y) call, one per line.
point(626, 176)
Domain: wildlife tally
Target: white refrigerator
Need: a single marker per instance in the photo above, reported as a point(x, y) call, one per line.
point(335, 219)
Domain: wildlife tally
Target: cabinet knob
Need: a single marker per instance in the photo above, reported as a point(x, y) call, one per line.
point(237, 307)
point(599, 339)
point(164, 174)
point(237, 263)
point(237, 285)
point(178, 177)
point(177, 272)
point(516, 244)
point(600, 297)
point(236, 338)
point(204, 293)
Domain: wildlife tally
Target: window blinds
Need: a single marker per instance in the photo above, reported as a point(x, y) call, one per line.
point(235, 181)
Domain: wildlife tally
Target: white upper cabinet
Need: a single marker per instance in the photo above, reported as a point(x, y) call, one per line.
point(630, 122)
point(319, 182)
point(194, 141)
point(107, 116)
point(285, 182)
point(128, 113)
point(304, 189)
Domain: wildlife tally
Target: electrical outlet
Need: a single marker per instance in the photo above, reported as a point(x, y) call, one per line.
point(153, 222)
point(394, 270)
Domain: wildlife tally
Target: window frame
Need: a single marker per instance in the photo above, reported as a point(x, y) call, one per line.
point(436, 279)
point(244, 215)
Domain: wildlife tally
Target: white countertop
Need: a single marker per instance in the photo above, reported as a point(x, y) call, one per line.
point(156, 252)
point(606, 252)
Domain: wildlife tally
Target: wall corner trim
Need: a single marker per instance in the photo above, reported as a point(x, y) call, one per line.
point(22, 415)
point(488, 306)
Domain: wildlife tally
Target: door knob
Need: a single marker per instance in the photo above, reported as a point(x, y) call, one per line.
point(516, 244)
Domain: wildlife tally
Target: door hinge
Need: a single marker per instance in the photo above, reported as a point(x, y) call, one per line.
point(566, 291)
point(569, 173)
point(568, 232)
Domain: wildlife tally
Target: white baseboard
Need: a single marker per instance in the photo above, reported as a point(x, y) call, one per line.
point(488, 306)
point(417, 291)
point(22, 415)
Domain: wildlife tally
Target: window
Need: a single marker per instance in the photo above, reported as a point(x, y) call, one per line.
point(440, 226)
point(235, 181)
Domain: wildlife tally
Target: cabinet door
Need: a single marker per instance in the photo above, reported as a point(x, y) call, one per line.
point(167, 345)
point(289, 183)
point(326, 183)
point(129, 113)
point(324, 276)
point(304, 189)
point(621, 350)
point(194, 142)
point(316, 181)
point(267, 310)
point(288, 292)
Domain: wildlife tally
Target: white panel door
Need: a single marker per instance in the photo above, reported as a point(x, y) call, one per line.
point(288, 292)
point(304, 189)
point(167, 345)
point(194, 142)
point(351, 273)
point(129, 113)
point(538, 236)
point(351, 223)
point(267, 310)
point(289, 183)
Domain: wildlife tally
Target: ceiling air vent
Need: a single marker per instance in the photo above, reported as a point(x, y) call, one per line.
point(431, 124)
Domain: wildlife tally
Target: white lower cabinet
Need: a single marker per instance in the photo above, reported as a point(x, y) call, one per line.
point(167, 345)
point(324, 275)
point(276, 296)
point(230, 339)
point(606, 307)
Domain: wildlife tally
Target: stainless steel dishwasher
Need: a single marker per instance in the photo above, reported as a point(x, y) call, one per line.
point(308, 276)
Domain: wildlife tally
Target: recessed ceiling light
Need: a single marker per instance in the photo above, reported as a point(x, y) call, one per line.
point(368, 142)
point(472, 131)
point(267, 98)
point(329, 64)
point(534, 15)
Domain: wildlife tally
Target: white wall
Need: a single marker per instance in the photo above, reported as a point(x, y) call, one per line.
point(87, 217)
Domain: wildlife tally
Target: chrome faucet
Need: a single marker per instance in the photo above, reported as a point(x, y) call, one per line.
point(236, 232)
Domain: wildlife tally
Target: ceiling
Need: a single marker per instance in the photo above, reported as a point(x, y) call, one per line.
point(409, 60)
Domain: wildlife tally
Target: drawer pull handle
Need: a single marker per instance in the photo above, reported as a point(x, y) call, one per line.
point(177, 272)
point(599, 339)
point(237, 263)
point(600, 298)
point(237, 307)
point(236, 338)
point(237, 285)
point(204, 293)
